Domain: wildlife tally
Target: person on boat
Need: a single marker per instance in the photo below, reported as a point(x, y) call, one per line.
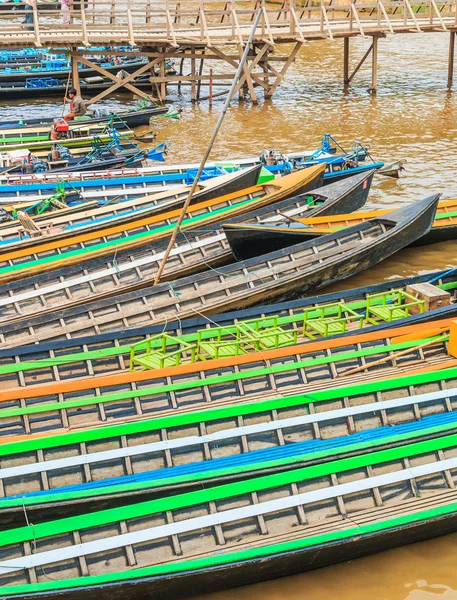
point(65, 12)
point(270, 159)
point(77, 105)
point(29, 17)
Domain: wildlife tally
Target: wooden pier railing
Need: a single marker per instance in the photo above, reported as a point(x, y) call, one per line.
point(159, 23)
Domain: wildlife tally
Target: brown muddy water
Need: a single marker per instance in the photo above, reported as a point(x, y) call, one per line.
point(412, 116)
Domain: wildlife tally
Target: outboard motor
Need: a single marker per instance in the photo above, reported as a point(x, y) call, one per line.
point(60, 130)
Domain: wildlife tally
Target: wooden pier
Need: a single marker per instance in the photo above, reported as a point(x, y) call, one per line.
point(199, 43)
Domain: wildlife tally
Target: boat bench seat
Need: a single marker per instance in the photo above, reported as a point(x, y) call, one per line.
point(391, 306)
point(220, 349)
point(387, 313)
point(266, 338)
point(156, 360)
point(329, 319)
point(161, 351)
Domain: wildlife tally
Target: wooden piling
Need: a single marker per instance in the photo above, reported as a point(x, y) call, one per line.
point(450, 67)
point(346, 61)
point(75, 73)
point(193, 82)
point(374, 65)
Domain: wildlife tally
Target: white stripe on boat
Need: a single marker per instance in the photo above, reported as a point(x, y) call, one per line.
point(224, 434)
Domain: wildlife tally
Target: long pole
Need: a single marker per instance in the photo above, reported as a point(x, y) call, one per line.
point(208, 150)
point(66, 93)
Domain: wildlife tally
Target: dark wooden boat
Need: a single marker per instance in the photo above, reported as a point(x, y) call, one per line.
point(127, 202)
point(132, 118)
point(214, 446)
point(88, 87)
point(96, 278)
point(70, 355)
point(282, 274)
point(261, 526)
point(93, 236)
point(52, 407)
point(21, 74)
point(249, 240)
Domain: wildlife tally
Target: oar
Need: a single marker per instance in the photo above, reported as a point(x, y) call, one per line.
point(394, 356)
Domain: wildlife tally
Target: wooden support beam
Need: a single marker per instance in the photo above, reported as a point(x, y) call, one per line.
point(211, 55)
point(117, 81)
point(284, 70)
point(450, 66)
point(36, 26)
point(248, 79)
point(163, 85)
point(363, 59)
point(252, 66)
point(75, 73)
point(374, 66)
point(232, 61)
point(193, 95)
point(200, 73)
point(346, 61)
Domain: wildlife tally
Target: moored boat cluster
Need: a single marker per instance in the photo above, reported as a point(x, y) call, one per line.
point(212, 423)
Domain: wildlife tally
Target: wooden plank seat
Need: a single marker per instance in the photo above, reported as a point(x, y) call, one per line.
point(32, 229)
point(268, 336)
point(330, 319)
point(221, 349)
point(391, 306)
point(157, 353)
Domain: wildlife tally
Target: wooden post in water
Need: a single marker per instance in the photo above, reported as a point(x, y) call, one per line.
point(75, 72)
point(450, 66)
point(211, 87)
point(374, 65)
point(346, 61)
point(209, 148)
point(163, 83)
point(192, 81)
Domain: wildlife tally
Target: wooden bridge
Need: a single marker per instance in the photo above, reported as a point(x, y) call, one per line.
point(210, 32)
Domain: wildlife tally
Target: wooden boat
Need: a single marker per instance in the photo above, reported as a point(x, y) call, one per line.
point(132, 182)
point(239, 533)
point(70, 355)
point(152, 225)
point(136, 117)
point(35, 185)
point(38, 138)
point(251, 240)
point(98, 468)
point(82, 402)
point(137, 268)
point(106, 207)
point(282, 274)
point(410, 479)
point(41, 71)
point(55, 87)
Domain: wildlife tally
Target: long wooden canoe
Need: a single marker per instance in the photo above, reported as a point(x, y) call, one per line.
point(92, 469)
point(282, 274)
point(135, 269)
point(71, 247)
point(39, 133)
point(21, 142)
point(70, 356)
point(127, 203)
point(252, 240)
point(123, 396)
point(245, 531)
point(41, 182)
